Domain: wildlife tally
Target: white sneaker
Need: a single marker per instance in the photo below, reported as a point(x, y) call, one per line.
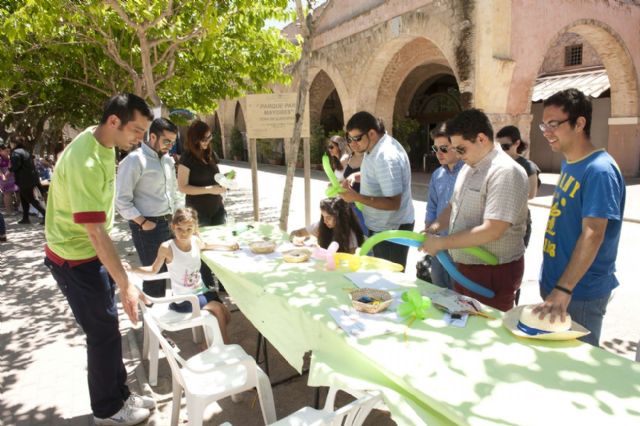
point(141, 401)
point(127, 416)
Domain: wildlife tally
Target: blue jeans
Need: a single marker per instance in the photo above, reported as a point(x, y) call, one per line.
point(439, 275)
point(147, 244)
point(391, 251)
point(589, 314)
point(91, 296)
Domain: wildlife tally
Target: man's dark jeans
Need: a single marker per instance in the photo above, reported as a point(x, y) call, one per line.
point(91, 296)
point(391, 251)
point(147, 244)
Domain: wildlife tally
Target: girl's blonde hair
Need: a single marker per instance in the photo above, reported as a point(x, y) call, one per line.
point(186, 214)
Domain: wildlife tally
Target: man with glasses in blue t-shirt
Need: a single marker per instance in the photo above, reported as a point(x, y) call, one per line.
point(583, 230)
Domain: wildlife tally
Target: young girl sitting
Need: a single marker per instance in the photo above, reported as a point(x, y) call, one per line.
point(338, 223)
point(182, 257)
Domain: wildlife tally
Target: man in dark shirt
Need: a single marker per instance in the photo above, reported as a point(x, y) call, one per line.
point(26, 178)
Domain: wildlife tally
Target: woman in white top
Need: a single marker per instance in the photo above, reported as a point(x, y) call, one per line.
point(338, 223)
point(182, 257)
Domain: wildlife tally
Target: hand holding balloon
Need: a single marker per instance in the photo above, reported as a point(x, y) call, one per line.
point(334, 184)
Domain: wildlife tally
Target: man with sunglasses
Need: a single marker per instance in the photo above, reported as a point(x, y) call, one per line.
point(488, 209)
point(385, 183)
point(147, 195)
point(583, 230)
point(441, 187)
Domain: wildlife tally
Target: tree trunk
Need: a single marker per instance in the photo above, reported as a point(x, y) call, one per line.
point(303, 90)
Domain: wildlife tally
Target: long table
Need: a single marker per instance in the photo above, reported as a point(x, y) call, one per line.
point(433, 374)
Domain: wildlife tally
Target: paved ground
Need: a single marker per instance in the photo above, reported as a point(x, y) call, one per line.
point(43, 364)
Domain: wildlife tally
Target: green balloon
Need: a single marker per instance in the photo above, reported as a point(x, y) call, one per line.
point(482, 254)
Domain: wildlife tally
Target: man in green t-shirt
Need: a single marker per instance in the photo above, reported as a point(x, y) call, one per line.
point(83, 259)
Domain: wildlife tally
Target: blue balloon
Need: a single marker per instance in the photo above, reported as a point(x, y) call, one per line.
point(406, 242)
point(448, 264)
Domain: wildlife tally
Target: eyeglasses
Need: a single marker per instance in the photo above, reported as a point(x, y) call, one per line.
point(331, 147)
point(166, 142)
point(442, 148)
point(506, 146)
point(355, 138)
point(552, 125)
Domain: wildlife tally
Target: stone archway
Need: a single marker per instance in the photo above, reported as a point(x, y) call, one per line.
point(240, 124)
point(391, 66)
point(322, 92)
point(623, 126)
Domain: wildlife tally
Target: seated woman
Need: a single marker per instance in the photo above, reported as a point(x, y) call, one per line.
point(338, 223)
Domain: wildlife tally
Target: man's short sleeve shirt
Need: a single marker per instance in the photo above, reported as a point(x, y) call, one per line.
point(82, 191)
point(495, 188)
point(589, 187)
point(386, 172)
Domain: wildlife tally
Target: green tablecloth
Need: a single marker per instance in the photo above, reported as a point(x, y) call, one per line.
point(438, 375)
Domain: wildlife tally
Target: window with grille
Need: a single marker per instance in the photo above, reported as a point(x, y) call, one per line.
point(573, 55)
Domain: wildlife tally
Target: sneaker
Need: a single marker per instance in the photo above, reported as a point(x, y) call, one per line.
point(24, 222)
point(127, 416)
point(141, 401)
point(3, 238)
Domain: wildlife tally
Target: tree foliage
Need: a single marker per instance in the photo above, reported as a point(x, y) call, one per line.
point(63, 58)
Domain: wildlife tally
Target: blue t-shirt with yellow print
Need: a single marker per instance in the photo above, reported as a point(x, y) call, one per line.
point(589, 187)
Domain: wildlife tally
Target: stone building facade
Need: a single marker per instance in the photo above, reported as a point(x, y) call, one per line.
point(424, 60)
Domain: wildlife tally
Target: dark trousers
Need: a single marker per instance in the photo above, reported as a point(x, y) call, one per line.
point(3, 228)
point(392, 252)
point(206, 218)
point(147, 244)
point(91, 296)
point(26, 198)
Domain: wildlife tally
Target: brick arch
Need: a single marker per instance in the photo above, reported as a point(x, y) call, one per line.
point(413, 82)
point(324, 78)
point(238, 118)
point(614, 55)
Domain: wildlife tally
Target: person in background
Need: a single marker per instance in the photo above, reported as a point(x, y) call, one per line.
point(27, 179)
point(488, 209)
point(585, 221)
point(441, 187)
point(8, 185)
point(509, 139)
point(147, 195)
point(337, 223)
point(3, 229)
point(338, 155)
point(385, 183)
point(196, 173)
point(83, 260)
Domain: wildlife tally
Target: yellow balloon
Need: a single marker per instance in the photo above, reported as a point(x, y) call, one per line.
point(355, 262)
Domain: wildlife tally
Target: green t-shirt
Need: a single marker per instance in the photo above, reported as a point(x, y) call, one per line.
point(82, 191)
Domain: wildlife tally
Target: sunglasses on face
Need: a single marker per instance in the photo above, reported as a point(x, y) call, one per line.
point(552, 125)
point(331, 147)
point(506, 146)
point(442, 148)
point(355, 138)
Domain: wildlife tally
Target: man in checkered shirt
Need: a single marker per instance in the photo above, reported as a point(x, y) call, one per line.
point(488, 209)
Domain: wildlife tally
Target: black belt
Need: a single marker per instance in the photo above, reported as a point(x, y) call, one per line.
point(166, 218)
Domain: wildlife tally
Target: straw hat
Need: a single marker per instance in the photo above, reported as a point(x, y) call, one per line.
point(522, 323)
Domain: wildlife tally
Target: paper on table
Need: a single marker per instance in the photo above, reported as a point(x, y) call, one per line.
point(371, 280)
point(361, 325)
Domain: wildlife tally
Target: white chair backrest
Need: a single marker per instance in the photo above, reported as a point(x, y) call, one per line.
point(354, 413)
point(175, 360)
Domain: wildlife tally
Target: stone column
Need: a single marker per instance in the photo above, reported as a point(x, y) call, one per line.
point(624, 143)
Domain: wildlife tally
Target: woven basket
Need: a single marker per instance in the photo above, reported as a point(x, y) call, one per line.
point(262, 247)
point(371, 308)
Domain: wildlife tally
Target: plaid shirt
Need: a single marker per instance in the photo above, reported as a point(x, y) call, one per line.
point(495, 188)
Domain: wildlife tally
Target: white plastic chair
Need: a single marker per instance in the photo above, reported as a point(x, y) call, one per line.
point(216, 373)
point(352, 414)
point(168, 319)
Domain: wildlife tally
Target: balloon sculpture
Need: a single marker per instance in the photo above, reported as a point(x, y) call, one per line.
point(327, 254)
point(415, 239)
point(334, 188)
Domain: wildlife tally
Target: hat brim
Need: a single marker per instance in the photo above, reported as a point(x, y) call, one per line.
point(512, 317)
